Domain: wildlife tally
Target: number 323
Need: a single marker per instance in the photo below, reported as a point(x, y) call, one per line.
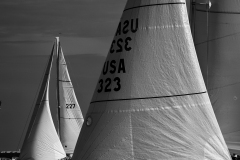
point(106, 85)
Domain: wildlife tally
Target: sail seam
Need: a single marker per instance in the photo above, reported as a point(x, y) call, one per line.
point(154, 5)
point(225, 12)
point(131, 135)
point(70, 118)
point(127, 99)
point(63, 80)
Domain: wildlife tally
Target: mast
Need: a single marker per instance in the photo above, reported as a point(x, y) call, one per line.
point(58, 99)
point(41, 141)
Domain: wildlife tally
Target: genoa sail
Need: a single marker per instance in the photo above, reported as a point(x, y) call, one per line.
point(70, 116)
point(216, 31)
point(151, 101)
point(41, 141)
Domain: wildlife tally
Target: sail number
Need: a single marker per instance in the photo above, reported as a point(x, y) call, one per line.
point(70, 106)
point(121, 45)
point(105, 85)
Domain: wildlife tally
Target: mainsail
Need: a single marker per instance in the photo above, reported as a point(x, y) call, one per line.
point(70, 115)
point(41, 141)
point(151, 101)
point(217, 38)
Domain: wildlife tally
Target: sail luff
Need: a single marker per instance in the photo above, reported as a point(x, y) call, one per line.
point(40, 93)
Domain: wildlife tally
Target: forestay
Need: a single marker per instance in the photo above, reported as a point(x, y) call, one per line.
point(150, 101)
point(217, 43)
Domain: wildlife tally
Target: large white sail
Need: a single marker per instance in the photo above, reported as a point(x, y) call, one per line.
point(150, 101)
point(71, 118)
point(41, 141)
point(217, 38)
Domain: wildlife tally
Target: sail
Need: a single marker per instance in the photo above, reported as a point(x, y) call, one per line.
point(41, 141)
point(71, 118)
point(217, 43)
point(151, 101)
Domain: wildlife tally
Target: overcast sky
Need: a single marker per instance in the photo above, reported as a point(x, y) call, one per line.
point(27, 31)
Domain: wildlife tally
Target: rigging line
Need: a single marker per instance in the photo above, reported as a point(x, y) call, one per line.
point(207, 41)
point(232, 132)
point(193, 14)
point(217, 38)
point(34, 100)
point(224, 86)
point(127, 99)
point(223, 12)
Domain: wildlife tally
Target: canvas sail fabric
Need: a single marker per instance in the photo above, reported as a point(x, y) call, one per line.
point(217, 43)
point(150, 101)
point(71, 118)
point(42, 142)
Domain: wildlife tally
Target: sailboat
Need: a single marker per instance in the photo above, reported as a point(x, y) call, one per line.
point(41, 141)
point(70, 117)
point(151, 101)
point(216, 36)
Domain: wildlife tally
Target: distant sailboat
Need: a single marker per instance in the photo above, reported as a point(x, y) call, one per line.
point(41, 141)
point(151, 101)
point(69, 113)
point(216, 36)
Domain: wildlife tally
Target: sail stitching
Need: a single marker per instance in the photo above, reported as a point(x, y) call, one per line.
point(166, 26)
point(63, 80)
point(131, 135)
point(127, 99)
point(70, 118)
point(156, 108)
point(154, 5)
